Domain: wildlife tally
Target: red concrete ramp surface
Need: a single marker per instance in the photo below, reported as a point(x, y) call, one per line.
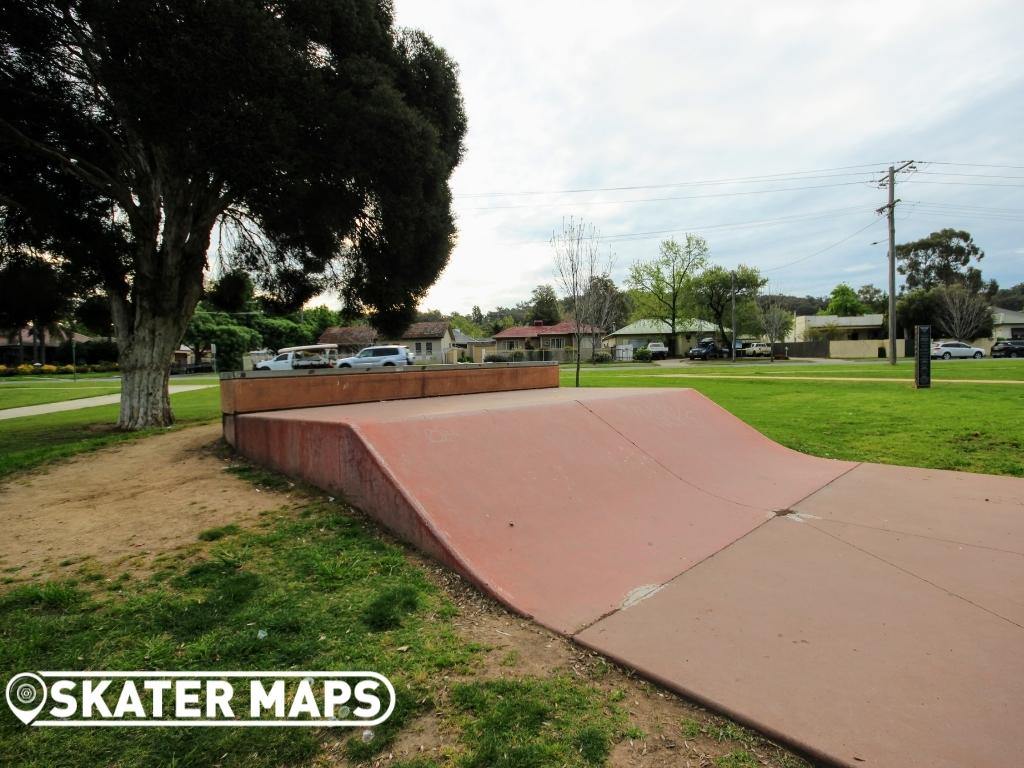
point(869, 615)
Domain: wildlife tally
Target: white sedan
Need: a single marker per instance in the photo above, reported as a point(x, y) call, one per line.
point(950, 349)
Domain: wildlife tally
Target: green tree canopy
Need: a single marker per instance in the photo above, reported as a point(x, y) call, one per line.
point(659, 286)
point(945, 257)
point(875, 299)
point(713, 291)
point(319, 136)
point(233, 292)
point(544, 305)
point(844, 302)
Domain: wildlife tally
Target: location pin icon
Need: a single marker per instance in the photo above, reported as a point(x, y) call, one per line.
point(26, 696)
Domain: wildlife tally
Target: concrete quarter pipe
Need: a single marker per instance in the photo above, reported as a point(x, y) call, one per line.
point(868, 615)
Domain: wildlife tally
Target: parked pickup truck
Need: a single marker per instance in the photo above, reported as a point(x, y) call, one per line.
point(658, 350)
point(708, 349)
point(293, 358)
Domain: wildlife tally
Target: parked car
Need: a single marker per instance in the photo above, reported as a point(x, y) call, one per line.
point(708, 349)
point(291, 358)
point(378, 357)
point(1008, 348)
point(759, 349)
point(658, 350)
point(949, 349)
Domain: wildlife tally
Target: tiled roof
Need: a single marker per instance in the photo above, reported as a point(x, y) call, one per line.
point(364, 335)
point(564, 328)
point(434, 329)
point(352, 335)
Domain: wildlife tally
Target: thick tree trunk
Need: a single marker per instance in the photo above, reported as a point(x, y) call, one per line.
point(145, 362)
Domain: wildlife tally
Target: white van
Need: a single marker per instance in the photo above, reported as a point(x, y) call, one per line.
point(292, 358)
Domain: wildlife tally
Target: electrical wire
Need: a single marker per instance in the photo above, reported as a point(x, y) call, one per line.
point(821, 250)
point(797, 176)
point(663, 199)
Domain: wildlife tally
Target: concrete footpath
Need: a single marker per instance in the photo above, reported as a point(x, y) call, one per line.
point(84, 402)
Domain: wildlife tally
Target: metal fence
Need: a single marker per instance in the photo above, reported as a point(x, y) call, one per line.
point(564, 355)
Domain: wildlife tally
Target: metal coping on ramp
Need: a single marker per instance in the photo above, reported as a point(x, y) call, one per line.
point(866, 615)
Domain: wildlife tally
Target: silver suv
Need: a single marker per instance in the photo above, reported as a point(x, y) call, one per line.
point(375, 357)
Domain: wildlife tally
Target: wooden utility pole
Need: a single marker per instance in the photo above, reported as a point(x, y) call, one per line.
point(892, 265)
point(732, 279)
point(890, 208)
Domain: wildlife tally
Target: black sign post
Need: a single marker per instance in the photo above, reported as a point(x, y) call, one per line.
point(922, 356)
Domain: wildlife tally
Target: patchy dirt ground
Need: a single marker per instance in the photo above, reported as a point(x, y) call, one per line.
point(127, 503)
point(126, 506)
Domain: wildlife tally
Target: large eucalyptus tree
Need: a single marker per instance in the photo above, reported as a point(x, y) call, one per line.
point(313, 134)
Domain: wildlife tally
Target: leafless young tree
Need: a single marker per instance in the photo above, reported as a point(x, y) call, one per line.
point(775, 320)
point(579, 262)
point(961, 314)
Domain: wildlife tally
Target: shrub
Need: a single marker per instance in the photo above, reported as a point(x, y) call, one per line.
point(5, 371)
point(66, 369)
point(602, 357)
point(25, 369)
point(642, 355)
point(48, 369)
point(498, 359)
point(518, 356)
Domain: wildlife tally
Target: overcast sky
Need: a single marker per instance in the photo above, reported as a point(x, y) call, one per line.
point(820, 95)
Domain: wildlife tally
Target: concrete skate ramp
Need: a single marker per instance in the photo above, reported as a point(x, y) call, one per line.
point(869, 615)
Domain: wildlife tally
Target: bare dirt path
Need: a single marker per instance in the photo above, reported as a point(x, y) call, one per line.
point(131, 501)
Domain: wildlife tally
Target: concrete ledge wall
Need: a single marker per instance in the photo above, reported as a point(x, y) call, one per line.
point(337, 458)
point(255, 392)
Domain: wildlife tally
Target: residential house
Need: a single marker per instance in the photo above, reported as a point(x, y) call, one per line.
point(546, 342)
point(430, 341)
point(471, 348)
point(350, 339)
point(19, 346)
point(1007, 323)
point(837, 327)
point(641, 333)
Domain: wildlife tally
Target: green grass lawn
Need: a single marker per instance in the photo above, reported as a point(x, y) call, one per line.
point(30, 441)
point(37, 393)
point(1002, 370)
point(314, 588)
point(968, 427)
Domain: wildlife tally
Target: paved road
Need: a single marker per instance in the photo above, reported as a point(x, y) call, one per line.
point(84, 402)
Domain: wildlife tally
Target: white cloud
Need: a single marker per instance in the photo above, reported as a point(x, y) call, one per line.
point(563, 95)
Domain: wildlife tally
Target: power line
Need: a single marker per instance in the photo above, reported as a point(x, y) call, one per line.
point(663, 199)
point(797, 175)
point(763, 178)
point(974, 165)
point(969, 175)
point(962, 183)
point(822, 250)
point(653, 233)
point(966, 206)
